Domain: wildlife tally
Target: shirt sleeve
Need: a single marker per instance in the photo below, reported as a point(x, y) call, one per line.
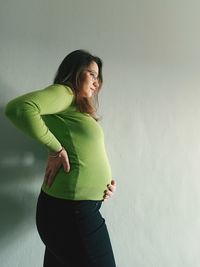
point(25, 112)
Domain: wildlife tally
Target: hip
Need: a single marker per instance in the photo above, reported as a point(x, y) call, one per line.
point(75, 215)
point(74, 231)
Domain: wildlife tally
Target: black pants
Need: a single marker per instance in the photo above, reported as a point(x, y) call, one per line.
point(74, 233)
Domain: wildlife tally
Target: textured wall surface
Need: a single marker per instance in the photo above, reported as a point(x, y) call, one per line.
point(150, 110)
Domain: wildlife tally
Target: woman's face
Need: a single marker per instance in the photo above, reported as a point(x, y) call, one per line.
point(90, 82)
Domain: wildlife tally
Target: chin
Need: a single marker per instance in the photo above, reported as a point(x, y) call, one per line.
point(90, 95)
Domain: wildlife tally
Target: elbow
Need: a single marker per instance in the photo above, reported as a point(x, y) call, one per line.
point(17, 110)
point(10, 110)
point(13, 110)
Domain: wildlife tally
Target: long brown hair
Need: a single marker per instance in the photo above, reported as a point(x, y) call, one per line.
point(70, 73)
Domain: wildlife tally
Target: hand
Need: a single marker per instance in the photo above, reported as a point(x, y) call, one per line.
point(54, 164)
point(111, 189)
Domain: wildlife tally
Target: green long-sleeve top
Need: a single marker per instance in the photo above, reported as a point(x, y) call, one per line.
point(51, 117)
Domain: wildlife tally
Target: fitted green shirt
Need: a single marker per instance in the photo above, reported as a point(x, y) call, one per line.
point(50, 116)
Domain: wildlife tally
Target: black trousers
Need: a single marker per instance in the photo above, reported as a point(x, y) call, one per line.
point(74, 233)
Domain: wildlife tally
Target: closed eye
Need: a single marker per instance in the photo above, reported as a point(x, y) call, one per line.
point(93, 75)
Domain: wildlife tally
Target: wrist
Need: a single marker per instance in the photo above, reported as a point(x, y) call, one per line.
point(56, 154)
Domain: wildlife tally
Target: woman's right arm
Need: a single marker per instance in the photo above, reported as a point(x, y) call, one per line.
point(25, 112)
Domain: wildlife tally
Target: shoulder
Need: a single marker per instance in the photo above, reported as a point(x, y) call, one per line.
point(61, 88)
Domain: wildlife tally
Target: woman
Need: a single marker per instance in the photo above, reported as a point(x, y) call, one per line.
point(63, 118)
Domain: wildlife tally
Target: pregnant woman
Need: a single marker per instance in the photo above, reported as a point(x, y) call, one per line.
point(77, 180)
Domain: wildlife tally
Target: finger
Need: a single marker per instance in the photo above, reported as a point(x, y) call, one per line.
point(66, 164)
point(111, 188)
point(109, 193)
point(106, 197)
point(114, 183)
point(51, 178)
point(47, 173)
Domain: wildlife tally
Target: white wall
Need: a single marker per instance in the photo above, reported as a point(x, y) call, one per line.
point(151, 113)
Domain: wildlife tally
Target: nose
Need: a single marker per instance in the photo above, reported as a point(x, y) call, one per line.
point(96, 84)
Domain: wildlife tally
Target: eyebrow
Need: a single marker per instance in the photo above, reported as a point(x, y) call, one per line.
point(93, 71)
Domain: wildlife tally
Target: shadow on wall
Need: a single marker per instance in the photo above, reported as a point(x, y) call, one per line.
point(22, 164)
